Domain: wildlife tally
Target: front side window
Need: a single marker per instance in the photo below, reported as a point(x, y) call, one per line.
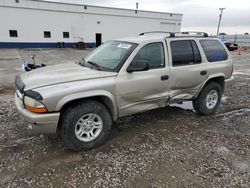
point(111, 55)
point(214, 50)
point(185, 52)
point(153, 54)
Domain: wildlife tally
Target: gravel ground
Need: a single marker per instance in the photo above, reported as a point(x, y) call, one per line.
point(167, 147)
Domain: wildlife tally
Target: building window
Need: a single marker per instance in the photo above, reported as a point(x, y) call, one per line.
point(85, 7)
point(47, 34)
point(17, 1)
point(66, 35)
point(13, 33)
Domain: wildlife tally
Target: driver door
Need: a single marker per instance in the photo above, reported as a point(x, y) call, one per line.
point(144, 90)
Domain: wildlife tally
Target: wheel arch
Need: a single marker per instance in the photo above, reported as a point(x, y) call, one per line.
point(220, 79)
point(105, 98)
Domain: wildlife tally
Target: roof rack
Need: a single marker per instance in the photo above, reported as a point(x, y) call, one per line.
point(171, 34)
point(198, 33)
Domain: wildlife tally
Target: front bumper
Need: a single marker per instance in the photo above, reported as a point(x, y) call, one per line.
point(39, 123)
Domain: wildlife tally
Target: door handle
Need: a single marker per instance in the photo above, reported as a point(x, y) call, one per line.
point(164, 77)
point(203, 72)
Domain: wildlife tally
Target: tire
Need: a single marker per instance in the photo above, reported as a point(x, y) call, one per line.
point(85, 126)
point(209, 92)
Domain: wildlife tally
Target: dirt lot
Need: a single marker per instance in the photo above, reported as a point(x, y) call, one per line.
point(168, 147)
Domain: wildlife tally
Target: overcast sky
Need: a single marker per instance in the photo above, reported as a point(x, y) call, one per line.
point(199, 15)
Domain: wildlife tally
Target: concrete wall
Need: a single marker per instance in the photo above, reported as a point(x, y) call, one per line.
point(31, 18)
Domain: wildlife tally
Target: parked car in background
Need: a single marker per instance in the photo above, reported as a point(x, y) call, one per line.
point(230, 45)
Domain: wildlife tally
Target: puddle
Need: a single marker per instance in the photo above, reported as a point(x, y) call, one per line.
point(222, 150)
point(240, 73)
point(238, 112)
point(16, 143)
point(242, 166)
point(9, 58)
point(21, 140)
point(5, 178)
point(187, 105)
point(224, 99)
point(60, 160)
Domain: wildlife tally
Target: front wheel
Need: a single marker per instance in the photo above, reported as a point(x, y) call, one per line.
point(209, 99)
point(85, 125)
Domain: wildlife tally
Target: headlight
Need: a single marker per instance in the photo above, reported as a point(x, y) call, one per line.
point(34, 106)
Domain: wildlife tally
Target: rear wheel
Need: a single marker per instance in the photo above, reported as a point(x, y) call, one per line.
point(85, 126)
point(209, 99)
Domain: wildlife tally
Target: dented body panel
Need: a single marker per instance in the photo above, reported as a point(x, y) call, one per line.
point(141, 91)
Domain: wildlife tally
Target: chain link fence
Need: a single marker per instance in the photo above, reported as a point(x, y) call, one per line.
point(241, 40)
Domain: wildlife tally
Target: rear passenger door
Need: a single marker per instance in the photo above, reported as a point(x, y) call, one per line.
point(186, 69)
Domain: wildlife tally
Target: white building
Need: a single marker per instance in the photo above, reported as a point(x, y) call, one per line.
point(37, 23)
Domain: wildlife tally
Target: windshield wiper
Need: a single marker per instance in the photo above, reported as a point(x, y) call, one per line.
point(94, 64)
point(82, 63)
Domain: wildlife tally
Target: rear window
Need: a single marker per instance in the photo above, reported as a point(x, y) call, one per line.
point(214, 50)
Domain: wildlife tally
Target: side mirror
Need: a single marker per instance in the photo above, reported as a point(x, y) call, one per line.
point(138, 65)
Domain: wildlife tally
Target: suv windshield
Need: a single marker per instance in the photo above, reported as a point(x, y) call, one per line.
point(111, 55)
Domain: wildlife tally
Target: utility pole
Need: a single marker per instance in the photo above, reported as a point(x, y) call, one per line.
point(220, 16)
point(137, 6)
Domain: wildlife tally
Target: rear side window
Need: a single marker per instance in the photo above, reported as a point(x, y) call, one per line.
point(185, 52)
point(214, 50)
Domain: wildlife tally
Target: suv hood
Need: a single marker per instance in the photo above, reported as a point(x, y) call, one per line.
point(61, 73)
